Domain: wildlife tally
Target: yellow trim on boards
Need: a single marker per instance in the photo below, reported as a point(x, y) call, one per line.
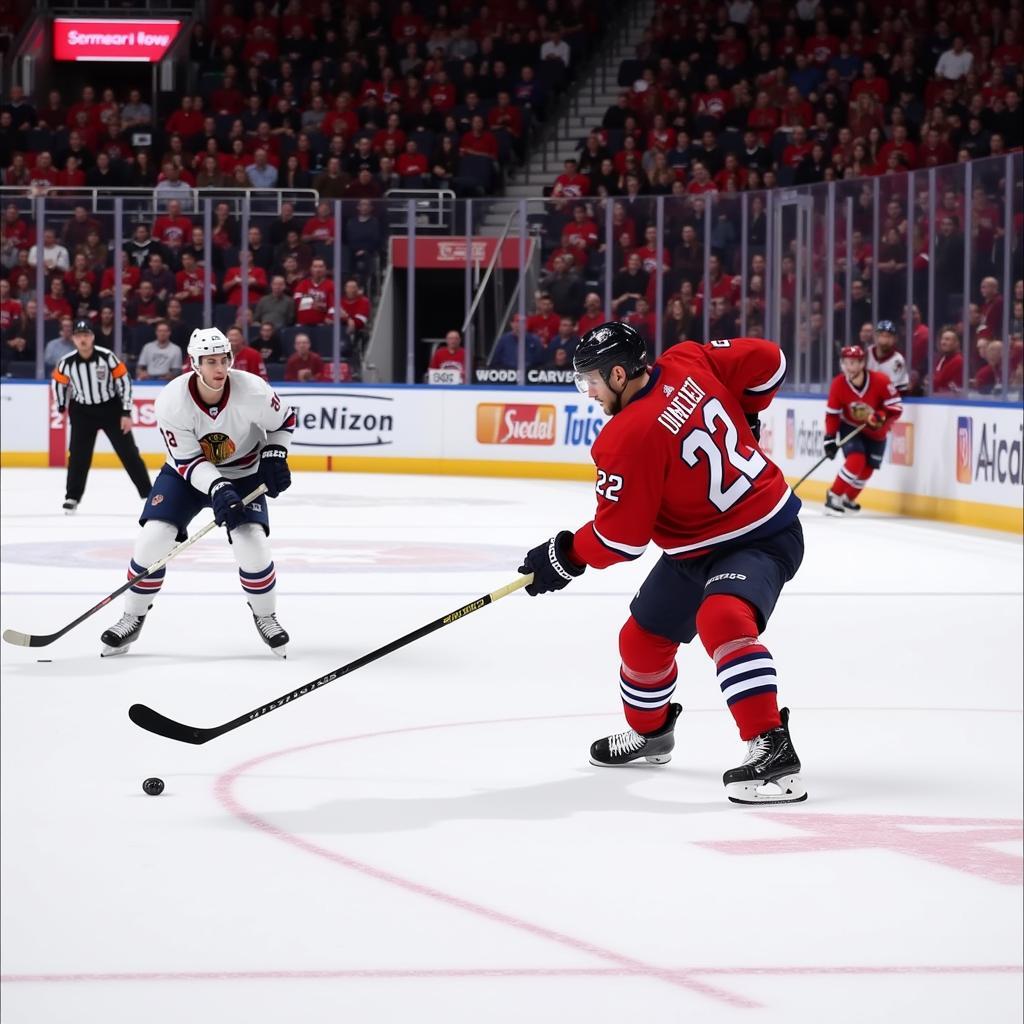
point(950, 510)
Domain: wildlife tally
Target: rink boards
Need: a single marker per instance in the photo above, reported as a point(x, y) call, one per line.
point(958, 461)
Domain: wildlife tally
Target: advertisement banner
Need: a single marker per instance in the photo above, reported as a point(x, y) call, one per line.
point(113, 39)
point(953, 461)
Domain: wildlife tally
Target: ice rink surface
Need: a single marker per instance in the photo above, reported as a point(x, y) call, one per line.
point(425, 838)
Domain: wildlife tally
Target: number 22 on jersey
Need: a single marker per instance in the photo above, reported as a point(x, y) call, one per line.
point(718, 443)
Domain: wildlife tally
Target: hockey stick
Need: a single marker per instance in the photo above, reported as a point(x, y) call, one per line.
point(152, 721)
point(13, 636)
point(849, 437)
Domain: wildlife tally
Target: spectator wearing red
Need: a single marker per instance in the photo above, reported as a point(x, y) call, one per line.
point(723, 286)
point(355, 307)
point(442, 93)
point(314, 296)
point(55, 303)
point(451, 355)
point(799, 146)
point(543, 323)
point(714, 101)
point(505, 116)
point(763, 118)
point(580, 235)
point(393, 132)
point(900, 145)
point(72, 176)
point(260, 48)
point(870, 82)
point(478, 141)
point(190, 280)
point(407, 26)
point(187, 120)
point(228, 27)
point(173, 228)
point(821, 47)
point(303, 364)
point(86, 105)
point(412, 163)
point(144, 306)
point(16, 234)
point(949, 367)
point(700, 179)
point(227, 98)
point(648, 253)
point(263, 18)
point(796, 111)
point(991, 307)
point(244, 356)
point(1009, 53)
point(43, 175)
point(934, 150)
point(570, 183)
point(130, 277)
point(235, 279)
point(593, 314)
point(321, 227)
point(79, 271)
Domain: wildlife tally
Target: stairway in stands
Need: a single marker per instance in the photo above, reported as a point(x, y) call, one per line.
point(587, 102)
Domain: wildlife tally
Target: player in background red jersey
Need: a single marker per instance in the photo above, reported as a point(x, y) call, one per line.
point(857, 396)
point(679, 463)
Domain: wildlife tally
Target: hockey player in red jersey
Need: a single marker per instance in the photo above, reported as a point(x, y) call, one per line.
point(857, 396)
point(678, 463)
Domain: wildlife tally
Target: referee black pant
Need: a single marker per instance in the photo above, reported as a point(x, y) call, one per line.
point(86, 422)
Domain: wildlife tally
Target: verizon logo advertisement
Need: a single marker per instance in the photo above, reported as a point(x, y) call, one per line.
point(113, 39)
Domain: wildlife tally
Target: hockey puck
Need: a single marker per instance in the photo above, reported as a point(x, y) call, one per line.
point(153, 787)
point(44, 660)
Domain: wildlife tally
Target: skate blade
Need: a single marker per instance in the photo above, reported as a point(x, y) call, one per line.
point(788, 789)
point(113, 652)
point(280, 652)
point(637, 762)
point(836, 513)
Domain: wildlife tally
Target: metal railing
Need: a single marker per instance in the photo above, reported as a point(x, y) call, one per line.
point(812, 267)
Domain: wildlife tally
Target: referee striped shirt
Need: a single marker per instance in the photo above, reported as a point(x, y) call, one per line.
point(100, 378)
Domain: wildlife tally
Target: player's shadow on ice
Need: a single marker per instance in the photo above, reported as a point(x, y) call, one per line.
point(591, 791)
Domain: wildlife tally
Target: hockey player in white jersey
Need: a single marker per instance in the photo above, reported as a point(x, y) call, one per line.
point(226, 432)
point(882, 356)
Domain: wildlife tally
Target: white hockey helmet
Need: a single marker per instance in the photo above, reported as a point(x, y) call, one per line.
point(208, 341)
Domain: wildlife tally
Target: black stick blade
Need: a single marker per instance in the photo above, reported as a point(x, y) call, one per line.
point(152, 721)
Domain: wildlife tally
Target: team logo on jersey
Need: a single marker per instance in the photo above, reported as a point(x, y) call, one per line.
point(157, 498)
point(964, 449)
point(668, 389)
point(501, 423)
point(860, 412)
point(217, 447)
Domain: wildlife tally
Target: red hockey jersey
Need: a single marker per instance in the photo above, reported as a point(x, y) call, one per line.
point(852, 406)
point(680, 466)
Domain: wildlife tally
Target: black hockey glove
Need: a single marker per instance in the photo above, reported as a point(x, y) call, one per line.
point(754, 422)
point(228, 509)
point(550, 564)
point(274, 472)
point(830, 446)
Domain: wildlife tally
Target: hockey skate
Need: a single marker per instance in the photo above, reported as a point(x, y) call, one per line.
point(272, 633)
point(623, 747)
point(850, 505)
point(834, 504)
point(70, 506)
point(122, 634)
point(771, 772)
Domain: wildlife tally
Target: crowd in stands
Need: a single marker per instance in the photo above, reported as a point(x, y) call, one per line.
point(727, 99)
point(723, 100)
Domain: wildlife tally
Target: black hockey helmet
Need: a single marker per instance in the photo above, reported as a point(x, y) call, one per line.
point(610, 344)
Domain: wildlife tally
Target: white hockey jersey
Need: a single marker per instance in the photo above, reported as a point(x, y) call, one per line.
point(894, 366)
point(206, 442)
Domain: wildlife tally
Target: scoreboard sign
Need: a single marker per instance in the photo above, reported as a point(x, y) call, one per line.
point(113, 39)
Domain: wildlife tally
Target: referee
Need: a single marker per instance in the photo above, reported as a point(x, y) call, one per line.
point(94, 384)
